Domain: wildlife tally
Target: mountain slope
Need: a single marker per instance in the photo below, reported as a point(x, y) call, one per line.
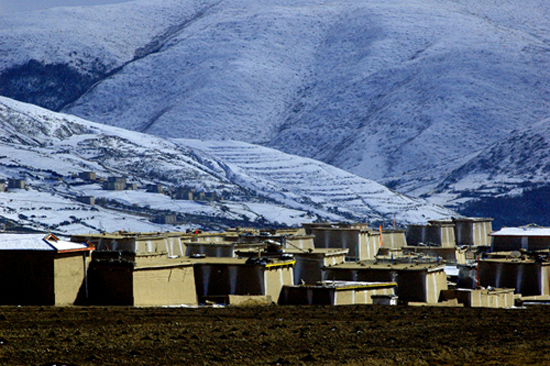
point(403, 92)
point(508, 179)
point(264, 187)
point(304, 183)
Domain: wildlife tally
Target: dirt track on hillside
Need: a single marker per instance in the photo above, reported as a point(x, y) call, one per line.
point(365, 335)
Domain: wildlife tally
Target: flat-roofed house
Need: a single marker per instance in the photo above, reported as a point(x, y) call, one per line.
point(140, 269)
point(89, 175)
point(115, 184)
point(308, 227)
point(362, 243)
point(217, 278)
point(438, 233)
point(527, 276)
point(394, 238)
point(16, 183)
point(42, 270)
point(516, 238)
point(416, 282)
point(142, 280)
point(444, 254)
point(309, 263)
point(221, 249)
point(473, 231)
point(168, 244)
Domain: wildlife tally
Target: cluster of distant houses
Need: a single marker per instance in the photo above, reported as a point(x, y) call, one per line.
point(455, 262)
point(121, 184)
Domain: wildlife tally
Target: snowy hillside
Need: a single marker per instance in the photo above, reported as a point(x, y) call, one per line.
point(400, 91)
point(305, 184)
point(262, 187)
point(510, 178)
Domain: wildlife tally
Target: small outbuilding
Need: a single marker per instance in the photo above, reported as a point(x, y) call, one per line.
point(481, 298)
point(336, 293)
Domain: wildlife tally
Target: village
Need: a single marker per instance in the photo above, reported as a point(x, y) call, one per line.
point(458, 262)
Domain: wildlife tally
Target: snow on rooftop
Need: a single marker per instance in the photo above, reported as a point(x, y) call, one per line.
point(62, 245)
point(23, 242)
point(451, 270)
point(522, 231)
point(36, 242)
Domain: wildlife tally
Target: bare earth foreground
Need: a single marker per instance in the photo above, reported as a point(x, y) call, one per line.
point(362, 335)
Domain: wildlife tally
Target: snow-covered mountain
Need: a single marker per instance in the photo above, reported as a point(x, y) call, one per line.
point(259, 186)
point(409, 93)
point(511, 177)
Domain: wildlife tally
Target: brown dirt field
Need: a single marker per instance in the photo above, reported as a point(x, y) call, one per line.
point(273, 335)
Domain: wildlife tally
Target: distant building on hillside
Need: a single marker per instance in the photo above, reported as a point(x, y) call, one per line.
point(210, 196)
point(168, 219)
point(89, 200)
point(115, 184)
point(185, 194)
point(155, 188)
point(16, 184)
point(91, 176)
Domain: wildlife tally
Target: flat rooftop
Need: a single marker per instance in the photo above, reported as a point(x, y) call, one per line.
point(38, 242)
point(513, 261)
point(387, 266)
point(522, 231)
point(241, 261)
point(325, 252)
point(349, 285)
